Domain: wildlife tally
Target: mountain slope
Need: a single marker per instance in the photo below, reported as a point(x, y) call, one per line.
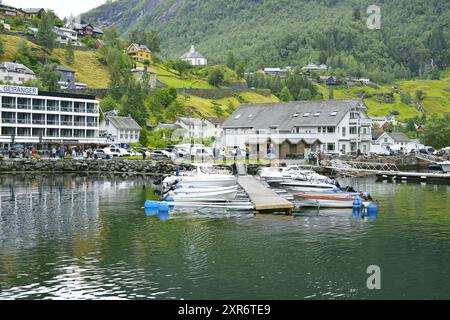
point(295, 32)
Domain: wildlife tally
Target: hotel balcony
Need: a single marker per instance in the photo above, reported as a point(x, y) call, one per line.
point(8, 105)
point(362, 122)
point(9, 120)
point(23, 121)
point(23, 106)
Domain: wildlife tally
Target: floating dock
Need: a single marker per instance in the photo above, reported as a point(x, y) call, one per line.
point(437, 178)
point(264, 199)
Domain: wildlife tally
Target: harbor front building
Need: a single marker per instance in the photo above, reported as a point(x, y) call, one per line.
point(42, 119)
point(294, 130)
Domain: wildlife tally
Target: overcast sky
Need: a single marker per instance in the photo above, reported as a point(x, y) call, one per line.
point(63, 8)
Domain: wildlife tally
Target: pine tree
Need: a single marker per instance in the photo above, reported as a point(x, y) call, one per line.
point(50, 77)
point(70, 53)
point(285, 95)
point(231, 61)
point(45, 36)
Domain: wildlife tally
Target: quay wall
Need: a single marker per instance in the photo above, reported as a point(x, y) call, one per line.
point(150, 167)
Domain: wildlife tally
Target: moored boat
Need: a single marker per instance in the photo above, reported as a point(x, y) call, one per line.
point(445, 166)
point(196, 195)
point(330, 201)
point(310, 186)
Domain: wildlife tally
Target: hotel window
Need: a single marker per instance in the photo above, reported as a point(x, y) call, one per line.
point(331, 147)
point(331, 129)
point(344, 131)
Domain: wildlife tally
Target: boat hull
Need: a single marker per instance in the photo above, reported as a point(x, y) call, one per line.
point(445, 166)
point(327, 201)
point(201, 196)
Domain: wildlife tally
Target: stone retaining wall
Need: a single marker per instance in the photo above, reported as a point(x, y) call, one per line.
point(107, 166)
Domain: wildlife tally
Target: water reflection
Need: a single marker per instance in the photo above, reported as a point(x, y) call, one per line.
point(87, 237)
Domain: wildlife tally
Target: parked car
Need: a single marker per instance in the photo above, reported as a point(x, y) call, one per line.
point(138, 152)
point(124, 152)
point(161, 154)
point(106, 153)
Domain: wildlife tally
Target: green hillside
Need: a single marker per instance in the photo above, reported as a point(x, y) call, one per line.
point(276, 33)
point(87, 64)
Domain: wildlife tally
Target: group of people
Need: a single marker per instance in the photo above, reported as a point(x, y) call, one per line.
point(62, 152)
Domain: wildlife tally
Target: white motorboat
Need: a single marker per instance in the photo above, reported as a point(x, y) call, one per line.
point(204, 176)
point(310, 186)
point(445, 166)
point(276, 175)
point(196, 195)
point(329, 201)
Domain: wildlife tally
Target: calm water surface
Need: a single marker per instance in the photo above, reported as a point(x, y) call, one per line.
point(86, 237)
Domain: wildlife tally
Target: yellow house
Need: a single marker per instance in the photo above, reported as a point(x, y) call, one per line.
point(139, 52)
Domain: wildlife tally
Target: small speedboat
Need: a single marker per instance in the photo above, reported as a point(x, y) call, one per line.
point(310, 186)
point(278, 175)
point(329, 201)
point(445, 166)
point(200, 194)
point(203, 176)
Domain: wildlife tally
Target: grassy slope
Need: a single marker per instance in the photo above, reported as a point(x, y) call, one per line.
point(87, 65)
point(88, 68)
point(203, 107)
point(436, 101)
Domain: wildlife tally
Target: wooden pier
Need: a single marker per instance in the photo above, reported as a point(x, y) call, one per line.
point(264, 199)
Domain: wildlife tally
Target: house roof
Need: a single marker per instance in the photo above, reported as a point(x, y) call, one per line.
point(166, 126)
point(16, 67)
point(139, 47)
point(193, 121)
point(192, 54)
point(32, 10)
point(288, 115)
point(398, 136)
point(61, 68)
point(376, 135)
point(79, 26)
point(216, 120)
point(123, 122)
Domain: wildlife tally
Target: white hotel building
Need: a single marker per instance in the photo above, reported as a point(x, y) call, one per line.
point(28, 116)
point(295, 129)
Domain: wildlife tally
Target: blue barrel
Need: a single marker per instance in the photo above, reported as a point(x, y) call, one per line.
point(357, 203)
point(151, 204)
point(372, 211)
point(170, 199)
point(163, 216)
point(163, 208)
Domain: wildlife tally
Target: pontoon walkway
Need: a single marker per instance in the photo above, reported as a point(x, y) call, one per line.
point(264, 199)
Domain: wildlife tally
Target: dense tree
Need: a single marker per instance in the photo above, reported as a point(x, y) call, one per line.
point(144, 137)
point(216, 77)
point(181, 66)
point(70, 53)
point(285, 95)
point(304, 94)
point(50, 77)
point(330, 94)
point(231, 61)
point(150, 39)
point(45, 36)
point(2, 47)
point(437, 132)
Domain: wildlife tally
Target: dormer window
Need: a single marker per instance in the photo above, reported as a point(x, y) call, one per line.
point(237, 117)
point(295, 115)
point(334, 113)
point(307, 114)
point(316, 114)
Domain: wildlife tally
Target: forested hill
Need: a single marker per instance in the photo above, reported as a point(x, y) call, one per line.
point(414, 35)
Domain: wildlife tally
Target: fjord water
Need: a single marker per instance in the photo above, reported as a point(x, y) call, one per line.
point(86, 237)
